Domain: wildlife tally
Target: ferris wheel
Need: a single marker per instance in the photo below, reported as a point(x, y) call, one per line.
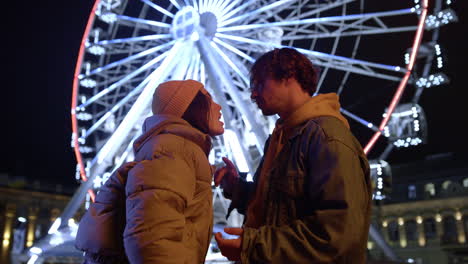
point(367, 51)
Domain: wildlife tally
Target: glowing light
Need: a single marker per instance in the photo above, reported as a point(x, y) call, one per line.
point(83, 116)
point(384, 223)
point(231, 138)
point(86, 149)
point(442, 18)
point(195, 36)
point(407, 58)
point(458, 216)
point(381, 177)
point(400, 221)
point(54, 228)
point(22, 219)
point(96, 50)
point(419, 219)
point(438, 218)
point(35, 250)
point(108, 17)
point(33, 259)
point(97, 182)
point(403, 242)
point(432, 80)
point(88, 83)
point(422, 240)
point(56, 240)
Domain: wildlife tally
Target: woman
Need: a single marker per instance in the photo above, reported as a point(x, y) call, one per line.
point(168, 198)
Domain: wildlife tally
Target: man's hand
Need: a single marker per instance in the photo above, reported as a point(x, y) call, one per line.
point(227, 176)
point(230, 248)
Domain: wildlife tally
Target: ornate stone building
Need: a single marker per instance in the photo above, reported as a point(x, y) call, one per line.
point(425, 219)
point(27, 211)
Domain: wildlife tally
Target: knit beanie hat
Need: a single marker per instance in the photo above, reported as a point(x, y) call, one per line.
point(174, 97)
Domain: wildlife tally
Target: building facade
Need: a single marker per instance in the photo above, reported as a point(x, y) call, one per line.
point(425, 218)
point(27, 211)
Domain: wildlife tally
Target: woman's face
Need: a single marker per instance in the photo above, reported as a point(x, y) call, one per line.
point(215, 126)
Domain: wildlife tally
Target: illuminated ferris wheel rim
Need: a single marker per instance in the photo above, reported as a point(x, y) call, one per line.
point(369, 145)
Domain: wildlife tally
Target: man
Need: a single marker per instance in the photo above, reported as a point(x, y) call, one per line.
point(310, 200)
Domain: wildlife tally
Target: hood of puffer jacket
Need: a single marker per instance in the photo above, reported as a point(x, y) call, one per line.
point(168, 124)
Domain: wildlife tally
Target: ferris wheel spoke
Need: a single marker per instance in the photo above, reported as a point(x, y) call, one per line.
point(324, 7)
point(124, 79)
point(225, 15)
point(134, 39)
point(234, 49)
point(355, 65)
point(322, 20)
point(359, 120)
point(176, 4)
point(186, 3)
point(122, 157)
point(230, 63)
point(226, 9)
point(308, 34)
point(200, 5)
point(130, 58)
point(194, 67)
point(253, 13)
point(141, 21)
point(115, 108)
point(186, 56)
point(158, 8)
point(332, 61)
point(136, 111)
point(221, 5)
point(210, 5)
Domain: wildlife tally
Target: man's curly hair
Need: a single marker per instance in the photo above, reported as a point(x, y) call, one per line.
point(285, 63)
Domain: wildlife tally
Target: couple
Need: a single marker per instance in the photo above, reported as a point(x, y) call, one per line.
point(309, 201)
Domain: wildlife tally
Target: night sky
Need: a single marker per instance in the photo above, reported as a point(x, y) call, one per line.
point(40, 46)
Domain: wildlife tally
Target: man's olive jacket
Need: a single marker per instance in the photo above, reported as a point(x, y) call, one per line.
point(318, 199)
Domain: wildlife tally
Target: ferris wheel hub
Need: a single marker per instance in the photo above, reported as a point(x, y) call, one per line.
point(209, 23)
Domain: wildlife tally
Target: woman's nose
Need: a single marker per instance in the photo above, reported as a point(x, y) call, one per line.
point(253, 95)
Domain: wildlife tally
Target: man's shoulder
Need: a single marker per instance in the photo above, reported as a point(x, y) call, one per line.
point(330, 125)
point(332, 129)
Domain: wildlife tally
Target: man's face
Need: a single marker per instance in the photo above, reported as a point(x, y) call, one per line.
point(271, 96)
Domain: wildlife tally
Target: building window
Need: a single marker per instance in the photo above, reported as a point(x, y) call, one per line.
point(411, 191)
point(411, 230)
point(465, 183)
point(430, 228)
point(430, 189)
point(450, 230)
point(393, 234)
point(446, 185)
